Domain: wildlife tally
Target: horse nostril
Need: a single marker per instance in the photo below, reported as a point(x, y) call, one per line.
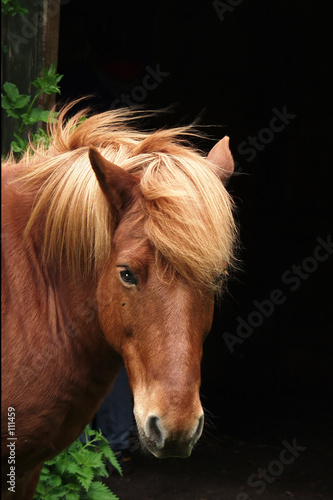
point(153, 430)
point(198, 431)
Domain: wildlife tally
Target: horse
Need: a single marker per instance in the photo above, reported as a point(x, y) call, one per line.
point(115, 243)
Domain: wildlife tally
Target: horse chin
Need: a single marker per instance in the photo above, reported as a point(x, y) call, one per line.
point(172, 454)
point(170, 446)
point(169, 450)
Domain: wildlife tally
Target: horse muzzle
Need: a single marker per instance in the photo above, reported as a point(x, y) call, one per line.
point(163, 439)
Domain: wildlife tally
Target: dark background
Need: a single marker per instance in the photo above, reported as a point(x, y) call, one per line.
point(234, 67)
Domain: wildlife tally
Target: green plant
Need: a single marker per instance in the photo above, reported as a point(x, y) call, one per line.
point(73, 474)
point(22, 108)
point(13, 8)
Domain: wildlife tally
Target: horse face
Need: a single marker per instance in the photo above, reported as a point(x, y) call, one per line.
point(158, 328)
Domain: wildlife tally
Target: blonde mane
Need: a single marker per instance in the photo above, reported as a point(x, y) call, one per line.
point(188, 213)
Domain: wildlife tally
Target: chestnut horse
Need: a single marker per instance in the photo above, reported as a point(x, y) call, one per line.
point(115, 242)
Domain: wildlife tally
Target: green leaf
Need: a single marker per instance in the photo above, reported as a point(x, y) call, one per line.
point(51, 462)
point(22, 101)
point(76, 446)
point(13, 102)
point(35, 115)
point(5, 102)
point(85, 478)
point(40, 137)
point(49, 492)
point(32, 117)
point(20, 145)
point(109, 455)
point(61, 465)
point(23, 143)
point(89, 432)
point(72, 496)
point(56, 481)
point(46, 115)
point(88, 458)
point(99, 491)
point(11, 91)
point(48, 83)
point(101, 471)
point(73, 487)
point(11, 113)
point(41, 490)
point(13, 7)
point(58, 494)
point(15, 147)
point(44, 475)
point(72, 474)
point(73, 467)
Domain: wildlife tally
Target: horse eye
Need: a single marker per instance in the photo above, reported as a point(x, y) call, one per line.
point(128, 277)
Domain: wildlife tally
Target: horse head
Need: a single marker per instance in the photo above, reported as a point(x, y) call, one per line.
point(155, 321)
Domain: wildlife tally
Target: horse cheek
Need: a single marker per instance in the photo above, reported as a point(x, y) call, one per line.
point(110, 321)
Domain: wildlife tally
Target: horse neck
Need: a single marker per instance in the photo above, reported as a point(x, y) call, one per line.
point(66, 306)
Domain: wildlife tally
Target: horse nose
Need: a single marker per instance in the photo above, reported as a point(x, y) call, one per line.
point(163, 441)
point(154, 431)
point(199, 430)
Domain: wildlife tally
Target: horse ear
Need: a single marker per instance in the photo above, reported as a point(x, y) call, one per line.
point(221, 157)
point(115, 182)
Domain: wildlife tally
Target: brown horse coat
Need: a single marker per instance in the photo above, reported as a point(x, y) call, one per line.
point(103, 261)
